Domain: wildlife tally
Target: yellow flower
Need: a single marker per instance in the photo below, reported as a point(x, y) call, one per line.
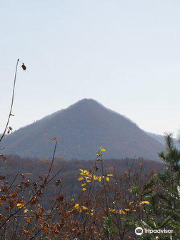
point(84, 208)
point(26, 210)
point(100, 178)
point(83, 171)
point(80, 179)
point(84, 184)
point(88, 180)
point(145, 202)
point(84, 189)
point(112, 210)
point(127, 209)
point(107, 179)
point(103, 149)
point(20, 205)
point(76, 206)
point(122, 212)
point(110, 175)
point(95, 177)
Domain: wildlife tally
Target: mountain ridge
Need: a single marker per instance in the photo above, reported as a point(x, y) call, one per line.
point(81, 129)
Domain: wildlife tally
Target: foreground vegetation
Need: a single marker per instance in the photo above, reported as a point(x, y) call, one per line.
point(90, 200)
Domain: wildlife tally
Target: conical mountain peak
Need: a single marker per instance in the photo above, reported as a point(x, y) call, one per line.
point(87, 103)
point(82, 128)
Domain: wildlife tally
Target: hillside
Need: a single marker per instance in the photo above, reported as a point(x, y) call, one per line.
point(81, 129)
point(161, 139)
point(70, 173)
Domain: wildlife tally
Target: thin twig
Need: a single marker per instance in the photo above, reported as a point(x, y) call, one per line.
point(12, 102)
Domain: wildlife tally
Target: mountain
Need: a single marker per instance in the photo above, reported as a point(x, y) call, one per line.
point(82, 128)
point(161, 139)
point(158, 137)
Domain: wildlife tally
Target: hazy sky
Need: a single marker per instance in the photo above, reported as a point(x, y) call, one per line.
point(124, 54)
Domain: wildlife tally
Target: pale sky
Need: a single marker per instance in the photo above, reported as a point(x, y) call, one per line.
point(124, 54)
